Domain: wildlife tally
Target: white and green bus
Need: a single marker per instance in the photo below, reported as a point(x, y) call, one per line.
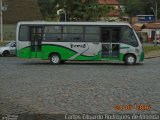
point(78, 41)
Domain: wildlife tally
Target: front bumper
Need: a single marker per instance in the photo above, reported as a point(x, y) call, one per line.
point(1, 52)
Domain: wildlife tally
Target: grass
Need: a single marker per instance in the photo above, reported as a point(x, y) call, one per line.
point(148, 49)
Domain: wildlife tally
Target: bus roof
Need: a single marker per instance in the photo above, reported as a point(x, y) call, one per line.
point(72, 23)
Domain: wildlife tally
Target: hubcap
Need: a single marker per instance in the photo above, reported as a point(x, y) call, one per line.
point(55, 59)
point(130, 59)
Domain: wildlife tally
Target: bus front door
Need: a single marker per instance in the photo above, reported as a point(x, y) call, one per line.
point(110, 38)
point(36, 37)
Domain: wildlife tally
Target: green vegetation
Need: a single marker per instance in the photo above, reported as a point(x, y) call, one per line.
point(91, 10)
point(76, 10)
point(148, 49)
point(140, 7)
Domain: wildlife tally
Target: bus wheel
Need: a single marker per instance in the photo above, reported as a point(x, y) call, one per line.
point(130, 59)
point(6, 53)
point(55, 59)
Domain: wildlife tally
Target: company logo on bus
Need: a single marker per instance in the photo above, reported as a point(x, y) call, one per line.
point(78, 45)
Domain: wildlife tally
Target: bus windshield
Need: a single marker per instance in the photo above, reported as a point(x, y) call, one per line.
point(128, 36)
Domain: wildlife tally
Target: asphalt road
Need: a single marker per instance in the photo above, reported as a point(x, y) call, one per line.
point(34, 86)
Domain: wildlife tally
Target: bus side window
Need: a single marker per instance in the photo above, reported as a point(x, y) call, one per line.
point(105, 35)
point(72, 34)
point(23, 33)
point(115, 36)
point(52, 33)
point(92, 34)
point(110, 35)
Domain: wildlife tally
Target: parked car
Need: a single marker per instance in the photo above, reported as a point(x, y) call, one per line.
point(8, 49)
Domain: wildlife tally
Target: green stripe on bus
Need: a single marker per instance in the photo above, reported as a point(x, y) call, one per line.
point(64, 52)
point(47, 49)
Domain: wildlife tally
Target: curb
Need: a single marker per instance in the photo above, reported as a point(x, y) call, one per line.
point(152, 57)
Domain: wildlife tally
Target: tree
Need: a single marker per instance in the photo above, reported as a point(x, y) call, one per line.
point(94, 11)
point(134, 7)
point(73, 9)
point(140, 7)
point(48, 8)
point(76, 10)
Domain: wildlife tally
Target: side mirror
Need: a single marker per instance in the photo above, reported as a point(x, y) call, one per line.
point(13, 45)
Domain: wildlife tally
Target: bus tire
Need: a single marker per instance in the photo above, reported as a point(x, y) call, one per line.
point(55, 58)
point(6, 53)
point(129, 59)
